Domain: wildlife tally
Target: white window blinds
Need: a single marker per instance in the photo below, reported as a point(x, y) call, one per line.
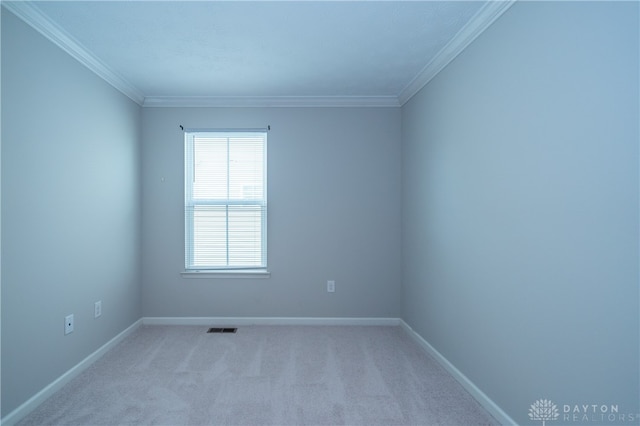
point(225, 200)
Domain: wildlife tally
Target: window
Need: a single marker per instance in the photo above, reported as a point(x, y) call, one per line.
point(225, 201)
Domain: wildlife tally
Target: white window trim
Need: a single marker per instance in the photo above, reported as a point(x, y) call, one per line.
point(260, 272)
point(240, 273)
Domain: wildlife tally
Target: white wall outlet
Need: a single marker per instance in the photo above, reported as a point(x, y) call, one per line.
point(331, 286)
point(97, 309)
point(68, 324)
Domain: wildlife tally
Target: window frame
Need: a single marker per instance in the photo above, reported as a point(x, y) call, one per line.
point(192, 270)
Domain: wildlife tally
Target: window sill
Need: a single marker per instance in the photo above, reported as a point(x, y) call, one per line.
point(241, 273)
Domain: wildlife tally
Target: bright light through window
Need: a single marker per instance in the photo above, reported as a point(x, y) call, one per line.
point(225, 200)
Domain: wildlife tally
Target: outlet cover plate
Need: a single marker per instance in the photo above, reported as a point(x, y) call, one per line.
point(331, 286)
point(68, 324)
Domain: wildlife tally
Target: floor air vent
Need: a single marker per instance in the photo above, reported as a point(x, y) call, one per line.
point(222, 330)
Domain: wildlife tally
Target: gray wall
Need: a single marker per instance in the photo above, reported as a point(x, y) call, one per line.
point(334, 213)
point(520, 208)
point(70, 211)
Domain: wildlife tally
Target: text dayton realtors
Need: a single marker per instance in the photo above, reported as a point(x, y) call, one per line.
point(596, 413)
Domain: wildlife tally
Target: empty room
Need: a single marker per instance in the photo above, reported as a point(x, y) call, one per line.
point(320, 212)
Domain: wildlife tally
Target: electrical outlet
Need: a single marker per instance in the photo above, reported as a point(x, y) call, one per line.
point(97, 309)
point(68, 324)
point(331, 286)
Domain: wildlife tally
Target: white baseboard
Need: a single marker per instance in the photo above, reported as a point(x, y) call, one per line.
point(480, 396)
point(239, 321)
point(19, 413)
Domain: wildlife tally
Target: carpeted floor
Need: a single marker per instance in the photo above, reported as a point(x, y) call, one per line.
point(263, 375)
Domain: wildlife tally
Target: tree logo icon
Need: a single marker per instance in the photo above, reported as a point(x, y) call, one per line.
point(543, 409)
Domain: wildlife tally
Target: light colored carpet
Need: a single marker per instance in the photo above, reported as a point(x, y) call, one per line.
point(263, 375)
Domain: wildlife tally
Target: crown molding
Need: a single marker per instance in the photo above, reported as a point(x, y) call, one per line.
point(30, 14)
point(271, 101)
point(491, 11)
point(34, 17)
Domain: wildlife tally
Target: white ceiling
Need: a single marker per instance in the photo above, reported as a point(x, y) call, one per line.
point(288, 52)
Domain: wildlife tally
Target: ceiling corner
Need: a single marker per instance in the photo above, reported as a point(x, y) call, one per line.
point(31, 15)
point(491, 11)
